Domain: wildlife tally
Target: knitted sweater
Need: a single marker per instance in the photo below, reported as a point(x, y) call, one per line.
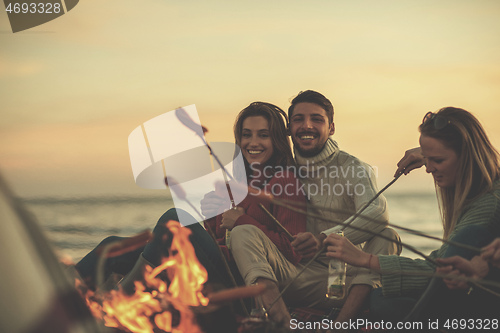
point(285, 186)
point(484, 211)
point(336, 180)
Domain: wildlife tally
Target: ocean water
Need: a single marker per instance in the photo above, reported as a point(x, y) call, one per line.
point(76, 225)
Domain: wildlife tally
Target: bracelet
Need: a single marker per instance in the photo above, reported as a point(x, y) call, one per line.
point(370, 261)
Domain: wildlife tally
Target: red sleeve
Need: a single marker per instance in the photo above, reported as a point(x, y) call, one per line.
point(287, 187)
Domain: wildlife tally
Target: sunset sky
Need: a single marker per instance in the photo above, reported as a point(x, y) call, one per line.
point(73, 89)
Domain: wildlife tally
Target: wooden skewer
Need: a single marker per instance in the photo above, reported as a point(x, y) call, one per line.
point(278, 224)
point(287, 233)
point(359, 212)
point(368, 231)
point(367, 218)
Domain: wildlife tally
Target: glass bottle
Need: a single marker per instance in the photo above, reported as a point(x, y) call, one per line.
point(336, 277)
point(259, 311)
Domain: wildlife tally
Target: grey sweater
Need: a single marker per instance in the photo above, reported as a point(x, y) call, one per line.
point(334, 179)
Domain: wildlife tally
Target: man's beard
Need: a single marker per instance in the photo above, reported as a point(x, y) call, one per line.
point(310, 152)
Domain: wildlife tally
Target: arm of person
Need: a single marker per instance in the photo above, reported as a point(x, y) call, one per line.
point(491, 253)
point(341, 248)
point(390, 266)
point(476, 268)
point(412, 160)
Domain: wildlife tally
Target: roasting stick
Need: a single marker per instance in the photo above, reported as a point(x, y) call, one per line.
point(345, 225)
point(359, 212)
point(278, 224)
point(319, 217)
point(412, 231)
point(182, 195)
point(287, 233)
point(186, 120)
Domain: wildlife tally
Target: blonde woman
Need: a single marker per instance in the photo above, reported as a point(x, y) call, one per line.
point(466, 171)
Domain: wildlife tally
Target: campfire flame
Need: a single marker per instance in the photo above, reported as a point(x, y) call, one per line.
point(151, 306)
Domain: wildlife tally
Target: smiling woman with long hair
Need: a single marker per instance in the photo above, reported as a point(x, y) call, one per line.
point(466, 171)
point(260, 131)
point(276, 131)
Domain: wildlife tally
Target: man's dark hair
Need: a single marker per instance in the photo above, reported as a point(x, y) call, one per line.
point(311, 96)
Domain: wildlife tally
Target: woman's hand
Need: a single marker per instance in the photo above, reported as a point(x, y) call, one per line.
point(413, 159)
point(476, 268)
point(212, 204)
point(452, 283)
point(491, 253)
point(230, 216)
point(341, 248)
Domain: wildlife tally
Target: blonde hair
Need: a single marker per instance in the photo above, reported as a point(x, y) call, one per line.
point(478, 161)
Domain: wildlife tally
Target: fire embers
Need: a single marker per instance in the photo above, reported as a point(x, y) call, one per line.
point(155, 306)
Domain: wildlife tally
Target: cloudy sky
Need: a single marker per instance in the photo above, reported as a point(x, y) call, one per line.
point(73, 89)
